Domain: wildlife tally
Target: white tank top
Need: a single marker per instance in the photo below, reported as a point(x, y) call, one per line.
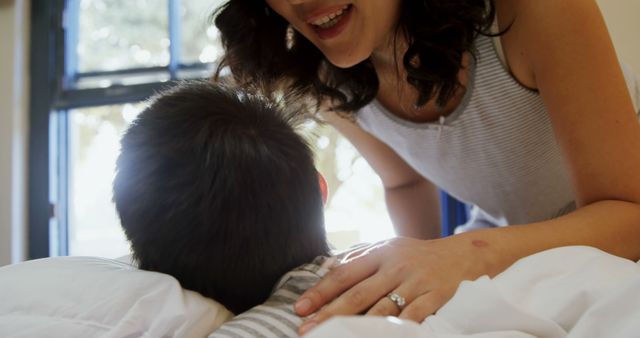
point(496, 151)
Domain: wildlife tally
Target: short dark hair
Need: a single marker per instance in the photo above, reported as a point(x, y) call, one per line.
point(215, 187)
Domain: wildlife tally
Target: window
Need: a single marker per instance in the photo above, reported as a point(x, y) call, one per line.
point(91, 73)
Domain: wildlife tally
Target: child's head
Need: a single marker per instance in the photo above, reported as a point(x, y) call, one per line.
point(216, 188)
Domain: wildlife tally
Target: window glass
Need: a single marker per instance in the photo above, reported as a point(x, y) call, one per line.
point(355, 210)
point(94, 136)
point(200, 38)
point(122, 34)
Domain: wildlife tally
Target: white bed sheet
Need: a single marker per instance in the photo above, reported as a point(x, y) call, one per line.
point(97, 297)
point(565, 292)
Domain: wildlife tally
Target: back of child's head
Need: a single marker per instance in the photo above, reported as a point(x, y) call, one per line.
point(216, 188)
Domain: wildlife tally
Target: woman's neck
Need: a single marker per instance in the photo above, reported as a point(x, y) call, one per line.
point(398, 96)
point(388, 56)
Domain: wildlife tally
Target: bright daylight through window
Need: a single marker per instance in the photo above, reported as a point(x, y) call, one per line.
point(120, 43)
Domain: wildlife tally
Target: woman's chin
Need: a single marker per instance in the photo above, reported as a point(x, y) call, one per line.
point(342, 61)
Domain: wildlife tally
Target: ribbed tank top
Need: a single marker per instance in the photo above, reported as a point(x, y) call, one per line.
point(496, 151)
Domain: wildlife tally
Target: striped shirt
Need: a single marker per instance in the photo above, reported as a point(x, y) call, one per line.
point(496, 151)
point(275, 317)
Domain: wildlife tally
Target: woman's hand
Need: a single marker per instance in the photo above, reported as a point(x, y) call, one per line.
point(425, 273)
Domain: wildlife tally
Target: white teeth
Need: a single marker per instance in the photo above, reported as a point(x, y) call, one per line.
point(327, 20)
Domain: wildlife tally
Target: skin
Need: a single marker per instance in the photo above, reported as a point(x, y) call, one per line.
point(370, 33)
point(569, 59)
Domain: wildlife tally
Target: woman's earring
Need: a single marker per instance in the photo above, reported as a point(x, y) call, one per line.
point(267, 12)
point(290, 37)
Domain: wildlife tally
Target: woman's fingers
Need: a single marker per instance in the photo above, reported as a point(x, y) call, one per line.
point(423, 306)
point(334, 283)
point(394, 302)
point(385, 307)
point(360, 297)
point(356, 300)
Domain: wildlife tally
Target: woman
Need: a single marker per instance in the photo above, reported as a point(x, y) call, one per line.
point(533, 125)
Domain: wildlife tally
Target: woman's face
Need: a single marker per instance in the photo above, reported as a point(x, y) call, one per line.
point(346, 31)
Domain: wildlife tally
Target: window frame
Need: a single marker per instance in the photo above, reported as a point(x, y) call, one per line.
point(54, 75)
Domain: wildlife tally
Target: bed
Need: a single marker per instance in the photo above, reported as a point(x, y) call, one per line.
point(98, 297)
point(564, 292)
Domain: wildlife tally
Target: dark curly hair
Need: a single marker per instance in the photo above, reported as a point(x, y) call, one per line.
point(439, 33)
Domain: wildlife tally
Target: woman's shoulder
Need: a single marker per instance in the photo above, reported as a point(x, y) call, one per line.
point(524, 22)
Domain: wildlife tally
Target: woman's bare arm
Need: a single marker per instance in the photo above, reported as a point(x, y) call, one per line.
point(412, 201)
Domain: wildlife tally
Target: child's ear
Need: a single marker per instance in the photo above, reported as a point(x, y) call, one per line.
point(324, 189)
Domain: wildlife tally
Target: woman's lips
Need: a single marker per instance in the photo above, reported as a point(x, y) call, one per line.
point(337, 28)
point(324, 12)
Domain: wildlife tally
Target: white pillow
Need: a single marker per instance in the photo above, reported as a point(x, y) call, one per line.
point(99, 297)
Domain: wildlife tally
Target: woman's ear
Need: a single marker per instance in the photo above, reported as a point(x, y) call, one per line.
point(324, 189)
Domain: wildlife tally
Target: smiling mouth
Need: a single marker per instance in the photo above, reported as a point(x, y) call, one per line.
point(331, 19)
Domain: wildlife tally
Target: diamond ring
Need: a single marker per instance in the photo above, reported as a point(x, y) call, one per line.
point(397, 299)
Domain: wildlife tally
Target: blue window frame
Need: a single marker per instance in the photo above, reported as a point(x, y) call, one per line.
point(454, 213)
point(57, 88)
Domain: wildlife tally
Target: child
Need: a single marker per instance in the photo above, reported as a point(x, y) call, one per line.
point(215, 187)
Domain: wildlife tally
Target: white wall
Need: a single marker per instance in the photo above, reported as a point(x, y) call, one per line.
point(13, 128)
point(623, 21)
